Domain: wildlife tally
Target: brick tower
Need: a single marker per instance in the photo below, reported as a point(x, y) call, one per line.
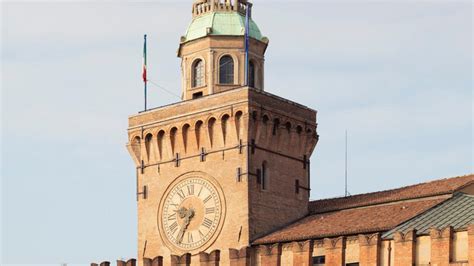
point(229, 163)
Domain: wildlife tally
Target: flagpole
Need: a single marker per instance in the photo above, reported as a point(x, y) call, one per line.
point(247, 22)
point(145, 81)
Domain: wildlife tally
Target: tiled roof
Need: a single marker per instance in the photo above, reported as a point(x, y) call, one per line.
point(457, 212)
point(434, 188)
point(372, 212)
point(350, 221)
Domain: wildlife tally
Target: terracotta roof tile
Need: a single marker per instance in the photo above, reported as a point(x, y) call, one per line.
point(351, 221)
point(434, 188)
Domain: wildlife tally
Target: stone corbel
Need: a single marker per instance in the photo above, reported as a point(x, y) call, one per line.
point(436, 233)
point(334, 243)
point(300, 247)
point(409, 236)
point(271, 250)
point(369, 240)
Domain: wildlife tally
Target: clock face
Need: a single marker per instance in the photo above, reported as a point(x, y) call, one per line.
point(191, 213)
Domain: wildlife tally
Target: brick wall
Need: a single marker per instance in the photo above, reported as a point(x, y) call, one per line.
point(402, 252)
point(369, 249)
point(405, 248)
point(441, 243)
point(334, 248)
point(471, 245)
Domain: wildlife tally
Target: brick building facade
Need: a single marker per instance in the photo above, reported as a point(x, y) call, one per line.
point(223, 176)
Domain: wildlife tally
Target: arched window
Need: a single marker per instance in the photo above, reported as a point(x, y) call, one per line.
point(148, 139)
point(226, 70)
point(251, 74)
point(198, 73)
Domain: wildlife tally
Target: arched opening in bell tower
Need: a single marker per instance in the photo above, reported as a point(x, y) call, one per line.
point(198, 73)
point(226, 70)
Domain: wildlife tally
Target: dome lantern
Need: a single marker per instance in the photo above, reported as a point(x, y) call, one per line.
point(213, 49)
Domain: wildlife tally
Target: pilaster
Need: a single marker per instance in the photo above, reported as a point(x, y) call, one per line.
point(334, 248)
point(405, 248)
point(302, 252)
point(441, 245)
point(471, 244)
point(270, 254)
point(369, 246)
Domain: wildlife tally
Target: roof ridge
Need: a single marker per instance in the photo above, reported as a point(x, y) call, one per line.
point(401, 188)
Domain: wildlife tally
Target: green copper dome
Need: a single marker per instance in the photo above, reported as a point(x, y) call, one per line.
point(220, 23)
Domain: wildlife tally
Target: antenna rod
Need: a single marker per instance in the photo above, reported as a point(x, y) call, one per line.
point(144, 74)
point(345, 174)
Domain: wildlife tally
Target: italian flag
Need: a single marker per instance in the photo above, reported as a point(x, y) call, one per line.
point(144, 61)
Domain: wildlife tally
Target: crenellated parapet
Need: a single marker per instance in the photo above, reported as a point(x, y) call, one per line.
point(240, 257)
point(157, 261)
point(205, 6)
point(210, 259)
point(130, 262)
point(183, 260)
point(443, 246)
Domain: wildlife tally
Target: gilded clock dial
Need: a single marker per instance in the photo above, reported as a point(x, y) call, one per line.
point(191, 213)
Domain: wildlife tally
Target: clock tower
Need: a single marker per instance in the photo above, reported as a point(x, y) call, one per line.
point(227, 164)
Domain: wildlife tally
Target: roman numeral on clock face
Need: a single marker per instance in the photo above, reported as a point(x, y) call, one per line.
point(180, 193)
point(207, 199)
point(201, 235)
point(210, 210)
point(173, 227)
point(172, 217)
point(191, 189)
point(190, 237)
point(207, 223)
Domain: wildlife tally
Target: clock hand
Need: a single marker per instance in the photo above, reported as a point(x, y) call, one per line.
point(187, 219)
point(182, 212)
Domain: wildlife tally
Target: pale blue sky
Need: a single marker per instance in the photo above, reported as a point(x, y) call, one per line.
point(397, 75)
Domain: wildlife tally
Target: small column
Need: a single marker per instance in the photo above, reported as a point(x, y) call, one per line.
point(471, 244)
point(335, 248)
point(369, 247)
point(235, 5)
point(405, 248)
point(441, 243)
point(209, 75)
point(209, 259)
point(240, 257)
point(270, 254)
point(213, 5)
point(184, 260)
point(302, 253)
